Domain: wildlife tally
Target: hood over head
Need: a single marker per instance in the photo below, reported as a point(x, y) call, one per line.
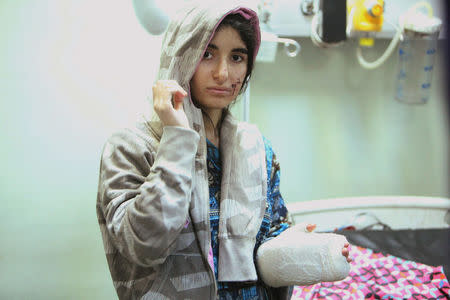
point(185, 42)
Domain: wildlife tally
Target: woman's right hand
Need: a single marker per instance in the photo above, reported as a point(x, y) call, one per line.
point(168, 103)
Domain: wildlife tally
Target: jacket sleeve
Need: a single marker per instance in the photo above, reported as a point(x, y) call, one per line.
point(144, 196)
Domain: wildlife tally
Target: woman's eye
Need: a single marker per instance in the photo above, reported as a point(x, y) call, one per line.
point(207, 55)
point(237, 58)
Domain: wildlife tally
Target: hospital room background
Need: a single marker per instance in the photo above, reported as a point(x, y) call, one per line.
point(73, 72)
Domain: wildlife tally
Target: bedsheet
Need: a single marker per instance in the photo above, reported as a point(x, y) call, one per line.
point(427, 246)
point(374, 275)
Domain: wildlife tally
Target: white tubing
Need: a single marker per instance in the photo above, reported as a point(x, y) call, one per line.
point(375, 64)
point(315, 38)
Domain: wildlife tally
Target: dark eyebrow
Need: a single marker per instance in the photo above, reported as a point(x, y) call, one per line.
point(240, 50)
point(212, 46)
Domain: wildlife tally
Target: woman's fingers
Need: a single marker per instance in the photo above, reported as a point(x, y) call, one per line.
point(311, 227)
point(168, 98)
point(346, 252)
point(166, 90)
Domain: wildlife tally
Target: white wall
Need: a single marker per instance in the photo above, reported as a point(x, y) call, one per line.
point(72, 72)
point(338, 131)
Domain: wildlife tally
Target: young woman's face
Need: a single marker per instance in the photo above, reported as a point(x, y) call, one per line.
point(221, 72)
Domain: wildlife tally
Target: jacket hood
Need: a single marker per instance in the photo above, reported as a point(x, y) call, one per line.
point(185, 42)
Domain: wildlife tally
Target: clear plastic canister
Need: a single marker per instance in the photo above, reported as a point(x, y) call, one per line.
point(416, 57)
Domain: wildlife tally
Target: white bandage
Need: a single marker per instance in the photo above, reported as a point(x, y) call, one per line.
point(299, 257)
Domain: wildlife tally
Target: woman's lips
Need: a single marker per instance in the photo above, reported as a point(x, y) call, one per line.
point(219, 91)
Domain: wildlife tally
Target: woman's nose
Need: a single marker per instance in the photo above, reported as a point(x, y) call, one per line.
point(220, 72)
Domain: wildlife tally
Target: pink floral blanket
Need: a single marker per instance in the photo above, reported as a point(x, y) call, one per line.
point(377, 276)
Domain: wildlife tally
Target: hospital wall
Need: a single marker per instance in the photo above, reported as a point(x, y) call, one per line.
point(338, 131)
point(72, 72)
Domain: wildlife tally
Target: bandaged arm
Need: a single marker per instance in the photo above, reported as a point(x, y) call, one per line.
point(299, 257)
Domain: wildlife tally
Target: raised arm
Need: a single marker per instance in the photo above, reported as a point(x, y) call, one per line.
point(144, 193)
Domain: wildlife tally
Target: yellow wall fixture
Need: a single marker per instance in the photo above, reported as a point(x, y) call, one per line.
point(367, 14)
point(365, 17)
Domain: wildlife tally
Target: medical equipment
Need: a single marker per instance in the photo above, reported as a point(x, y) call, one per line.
point(328, 25)
point(416, 55)
point(333, 21)
point(417, 34)
point(269, 45)
point(412, 24)
point(365, 18)
point(270, 40)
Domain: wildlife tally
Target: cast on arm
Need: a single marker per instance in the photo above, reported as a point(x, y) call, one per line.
point(144, 193)
point(295, 255)
point(300, 257)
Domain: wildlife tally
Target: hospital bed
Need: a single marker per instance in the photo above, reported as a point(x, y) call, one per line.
point(401, 246)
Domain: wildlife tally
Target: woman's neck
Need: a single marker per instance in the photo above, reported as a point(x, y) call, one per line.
point(212, 120)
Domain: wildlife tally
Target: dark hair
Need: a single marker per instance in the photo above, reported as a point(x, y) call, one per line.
point(246, 30)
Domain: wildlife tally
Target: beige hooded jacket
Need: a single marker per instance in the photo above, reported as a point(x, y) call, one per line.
point(153, 196)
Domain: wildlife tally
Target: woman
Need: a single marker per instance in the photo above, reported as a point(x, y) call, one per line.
point(186, 199)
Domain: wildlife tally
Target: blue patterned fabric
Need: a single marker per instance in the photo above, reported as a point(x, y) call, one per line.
point(274, 221)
